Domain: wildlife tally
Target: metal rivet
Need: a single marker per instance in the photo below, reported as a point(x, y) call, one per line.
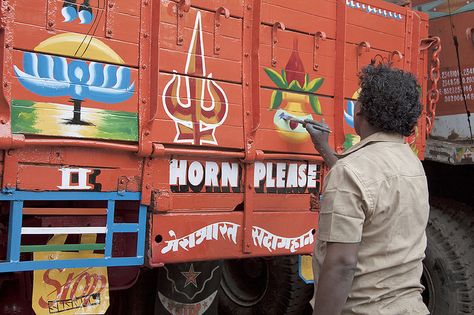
point(143, 67)
point(246, 54)
point(147, 186)
point(218, 48)
point(143, 100)
point(249, 7)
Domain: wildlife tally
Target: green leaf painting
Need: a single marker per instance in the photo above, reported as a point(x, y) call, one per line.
point(306, 80)
point(283, 75)
point(295, 86)
point(276, 99)
point(276, 78)
point(314, 101)
point(314, 85)
point(281, 82)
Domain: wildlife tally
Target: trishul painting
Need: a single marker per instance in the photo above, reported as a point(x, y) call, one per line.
point(204, 106)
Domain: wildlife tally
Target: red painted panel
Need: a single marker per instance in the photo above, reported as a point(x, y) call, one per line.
point(235, 7)
point(227, 65)
point(300, 15)
point(212, 236)
point(50, 178)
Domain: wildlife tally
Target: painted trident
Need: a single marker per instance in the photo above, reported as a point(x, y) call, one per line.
point(198, 117)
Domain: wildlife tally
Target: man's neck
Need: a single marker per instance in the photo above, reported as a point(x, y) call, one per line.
point(368, 131)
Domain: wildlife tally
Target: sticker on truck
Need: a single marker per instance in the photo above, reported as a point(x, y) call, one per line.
point(70, 291)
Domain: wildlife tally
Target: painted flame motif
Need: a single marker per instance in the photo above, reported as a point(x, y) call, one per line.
point(198, 116)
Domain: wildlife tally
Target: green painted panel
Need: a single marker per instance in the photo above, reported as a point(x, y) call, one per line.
point(51, 119)
point(60, 247)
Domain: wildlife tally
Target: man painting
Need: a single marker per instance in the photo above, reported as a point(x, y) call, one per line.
point(374, 211)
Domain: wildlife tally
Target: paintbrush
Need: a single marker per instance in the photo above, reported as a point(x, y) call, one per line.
point(317, 125)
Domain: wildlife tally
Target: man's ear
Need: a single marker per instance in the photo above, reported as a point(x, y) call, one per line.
point(358, 109)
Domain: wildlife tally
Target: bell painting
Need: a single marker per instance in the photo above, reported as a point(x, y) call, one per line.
point(75, 85)
point(298, 98)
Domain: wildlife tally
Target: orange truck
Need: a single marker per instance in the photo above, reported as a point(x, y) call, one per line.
point(145, 165)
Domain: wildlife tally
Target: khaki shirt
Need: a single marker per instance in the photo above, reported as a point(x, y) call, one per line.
point(377, 195)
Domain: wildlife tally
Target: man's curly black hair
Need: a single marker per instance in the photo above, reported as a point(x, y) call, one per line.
point(389, 98)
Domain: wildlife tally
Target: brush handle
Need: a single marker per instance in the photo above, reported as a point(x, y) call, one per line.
point(316, 124)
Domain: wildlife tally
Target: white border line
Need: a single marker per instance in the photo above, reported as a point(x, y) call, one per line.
point(63, 230)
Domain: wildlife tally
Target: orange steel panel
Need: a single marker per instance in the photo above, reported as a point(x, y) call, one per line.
point(225, 66)
point(219, 235)
point(212, 202)
point(247, 173)
point(300, 15)
point(50, 178)
point(236, 7)
point(275, 202)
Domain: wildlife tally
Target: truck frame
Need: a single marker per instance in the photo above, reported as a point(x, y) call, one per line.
point(153, 126)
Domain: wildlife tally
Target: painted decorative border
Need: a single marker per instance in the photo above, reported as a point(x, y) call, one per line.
point(373, 10)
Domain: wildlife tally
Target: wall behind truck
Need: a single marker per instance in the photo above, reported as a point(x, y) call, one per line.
point(451, 138)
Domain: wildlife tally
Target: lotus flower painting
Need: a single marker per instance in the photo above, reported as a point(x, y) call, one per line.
point(74, 85)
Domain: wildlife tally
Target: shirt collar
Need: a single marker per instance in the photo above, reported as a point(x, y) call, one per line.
point(376, 137)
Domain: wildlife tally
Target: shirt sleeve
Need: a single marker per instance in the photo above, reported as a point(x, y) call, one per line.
point(342, 215)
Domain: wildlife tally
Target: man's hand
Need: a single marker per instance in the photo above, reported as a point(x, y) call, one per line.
point(319, 138)
point(320, 141)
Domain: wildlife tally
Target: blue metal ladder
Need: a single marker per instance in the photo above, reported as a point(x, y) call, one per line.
point(16, 198)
